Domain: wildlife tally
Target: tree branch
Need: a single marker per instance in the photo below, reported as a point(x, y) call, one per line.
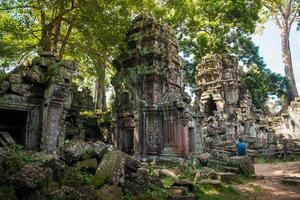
point(294, 15)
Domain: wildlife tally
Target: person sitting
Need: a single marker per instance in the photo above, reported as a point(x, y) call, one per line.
point(241, 147)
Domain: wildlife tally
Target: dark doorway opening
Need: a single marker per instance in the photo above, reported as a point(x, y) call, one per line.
point(14, 122)
point(127, 142)
point(210, 106)
point(191, 140)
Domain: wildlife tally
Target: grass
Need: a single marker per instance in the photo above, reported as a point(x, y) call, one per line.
point(222, 192)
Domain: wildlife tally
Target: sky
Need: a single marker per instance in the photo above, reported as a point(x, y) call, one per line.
point(270, 49)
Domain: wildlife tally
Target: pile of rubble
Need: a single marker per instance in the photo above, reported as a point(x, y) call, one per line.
point(81, 170)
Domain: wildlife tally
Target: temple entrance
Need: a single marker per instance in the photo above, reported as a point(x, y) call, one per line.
point(191, 140)
point(127, 142)
point(14, 123)
point(210, 106)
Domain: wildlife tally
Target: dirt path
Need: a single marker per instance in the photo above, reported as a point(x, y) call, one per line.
point(269, 186)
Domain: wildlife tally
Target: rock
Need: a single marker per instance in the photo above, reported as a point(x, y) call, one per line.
point(110, 192)
point(202, 158)
point(110, 170)
point(184, 183)
point(131, 164)
point(211, 182)
point(58, 167)
point(88, 193)
point(63, 192)
point(73, 178)
point(21, 89)
point(75, 150)
point(244, 163)
point(169, 172)
point(89, 165)
point(47, 60)
point(100, 148)
point(15, 78)
point(29, 178)
point(4, 86)
point(227, 176)
point(205, 173)
point(178, 191)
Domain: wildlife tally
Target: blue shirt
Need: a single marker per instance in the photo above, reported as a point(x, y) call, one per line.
point(241, 148)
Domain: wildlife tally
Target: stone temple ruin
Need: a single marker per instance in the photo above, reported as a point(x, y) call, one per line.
point(151, 107)
point(226, 102)
point(34, 101)
point(152, 113)
point(153, 116)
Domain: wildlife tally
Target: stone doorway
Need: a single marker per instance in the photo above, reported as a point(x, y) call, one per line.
point(210, 106)
point(15, 124)
point(127, 142)
point(191, 140)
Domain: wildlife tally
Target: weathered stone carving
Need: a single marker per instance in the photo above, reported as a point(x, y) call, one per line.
point(151, 106)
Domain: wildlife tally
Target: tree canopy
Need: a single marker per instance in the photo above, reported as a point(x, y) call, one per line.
point(92, 32)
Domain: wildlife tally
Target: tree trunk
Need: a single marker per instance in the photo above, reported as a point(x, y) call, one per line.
point(100, 96)
point(288, 67)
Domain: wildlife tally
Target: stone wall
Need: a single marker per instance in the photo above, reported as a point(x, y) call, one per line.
point(40, 91)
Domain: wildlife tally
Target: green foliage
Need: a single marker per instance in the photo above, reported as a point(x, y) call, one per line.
point(262, 84)
point(103, 117)
point(7, 192)
point(74, 178)
point(153, 193)
point(167, 181)
point(222, 192)
point(3, 76)
point(15, 158)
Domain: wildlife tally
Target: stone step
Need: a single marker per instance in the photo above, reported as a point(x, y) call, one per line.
point(214, 163)
point(227, 176)
point(232, 169)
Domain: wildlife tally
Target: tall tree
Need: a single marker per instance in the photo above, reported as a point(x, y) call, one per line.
point(284, 13)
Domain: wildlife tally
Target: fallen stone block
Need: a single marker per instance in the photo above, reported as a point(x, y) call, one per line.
point(110, 170)
point(211, 182)
point(184, 183)
point(75, 150)
point(227, 176)
point(7, 138)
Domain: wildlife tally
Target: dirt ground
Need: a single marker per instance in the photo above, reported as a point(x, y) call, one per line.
point(269, 185)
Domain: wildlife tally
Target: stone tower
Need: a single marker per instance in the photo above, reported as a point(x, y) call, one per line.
point(222, 95)
point(151, 106)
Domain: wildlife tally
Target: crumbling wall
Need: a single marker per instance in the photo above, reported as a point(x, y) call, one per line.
point(41, 89)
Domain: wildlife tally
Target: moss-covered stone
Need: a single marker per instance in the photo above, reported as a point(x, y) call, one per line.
point(30, 178)
point(73, 178)
point(110, 169)
point(110, 192)
point(89, 165)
